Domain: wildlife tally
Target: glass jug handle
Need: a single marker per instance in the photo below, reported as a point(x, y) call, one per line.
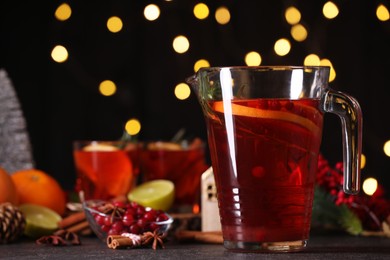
point(348, 109)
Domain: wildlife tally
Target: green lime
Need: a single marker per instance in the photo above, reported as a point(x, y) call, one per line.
point(40, 220)
point(156, 194)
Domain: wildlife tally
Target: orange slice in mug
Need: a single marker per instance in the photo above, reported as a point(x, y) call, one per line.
point(240, 110)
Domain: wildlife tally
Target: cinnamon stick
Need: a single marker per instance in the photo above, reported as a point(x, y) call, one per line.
point(85, 232)
point(212, 237)
point(78, 227)
point(72, 219)
point(121, 243)
point(111, 238)
point(118, 241)
point(75, 222)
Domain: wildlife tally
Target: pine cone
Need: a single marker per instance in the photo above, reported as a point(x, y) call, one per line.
point(12, 223)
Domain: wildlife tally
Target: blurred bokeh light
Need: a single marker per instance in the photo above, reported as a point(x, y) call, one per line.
point(181, 44)
point(63, 12)
point(107, 88)
point(201, 11)
point(133, 126)
point(182, 91)
point(59, 54)
point(200, 64)
point(369, 186)
point(114, 24)
point(330, 10)
point(222, 15)
point(151, 12)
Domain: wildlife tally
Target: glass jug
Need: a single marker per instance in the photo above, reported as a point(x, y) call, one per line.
point(264, 128)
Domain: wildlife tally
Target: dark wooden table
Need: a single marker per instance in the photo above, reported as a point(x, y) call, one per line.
point(320, 247)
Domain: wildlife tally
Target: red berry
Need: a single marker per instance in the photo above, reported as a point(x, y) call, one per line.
point(128, 219)
point(119, 204)
point(105, 228)
point(141, 223)
point(118, 226)
point(289, 105)
point(275, 105)
point(107, 220)
point(149, 216)
point(99, 219)
point(131, 211)
point(133, 205)
point(161, 217)
point(263, 104)
point(153, 226)
point(140, 211)
point(113, 231)
point(135, 229)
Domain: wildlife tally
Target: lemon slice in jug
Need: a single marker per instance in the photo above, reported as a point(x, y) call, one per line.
point(40, 220)
point(156, 194)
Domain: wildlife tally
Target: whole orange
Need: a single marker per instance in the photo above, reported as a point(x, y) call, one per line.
point(38, 187)
point(8, 191)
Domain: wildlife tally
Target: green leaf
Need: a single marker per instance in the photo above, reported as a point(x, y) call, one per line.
point(328, 215)
point(349, 221)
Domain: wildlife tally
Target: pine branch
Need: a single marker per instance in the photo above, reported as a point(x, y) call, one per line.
point(327, 214)
point(349, 221)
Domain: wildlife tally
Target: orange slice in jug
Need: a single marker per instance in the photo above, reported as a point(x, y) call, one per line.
point(240, 110)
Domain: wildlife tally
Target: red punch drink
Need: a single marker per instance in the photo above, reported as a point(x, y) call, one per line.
point(264, 154)
point(181, 165)
point(103, 170)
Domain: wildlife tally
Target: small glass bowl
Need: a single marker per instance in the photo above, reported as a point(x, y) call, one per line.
point(96, 220)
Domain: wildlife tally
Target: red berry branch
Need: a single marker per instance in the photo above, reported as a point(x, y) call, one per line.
point(373, 212)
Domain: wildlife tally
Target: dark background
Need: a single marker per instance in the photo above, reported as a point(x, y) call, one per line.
point(61, 102)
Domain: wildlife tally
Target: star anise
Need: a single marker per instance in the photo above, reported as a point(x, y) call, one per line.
point(51, 240)
point(70, 237)
point(155, 238)
point(113, 210)
point(59, 238)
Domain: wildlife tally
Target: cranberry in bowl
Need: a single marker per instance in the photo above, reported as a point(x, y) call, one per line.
point(115, 218)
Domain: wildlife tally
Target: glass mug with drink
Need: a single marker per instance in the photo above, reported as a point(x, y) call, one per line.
point(264, 131)
point(180, 162)
point(105, 169)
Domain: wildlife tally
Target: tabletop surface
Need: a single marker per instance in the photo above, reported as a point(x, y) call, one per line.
point(319, 247)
